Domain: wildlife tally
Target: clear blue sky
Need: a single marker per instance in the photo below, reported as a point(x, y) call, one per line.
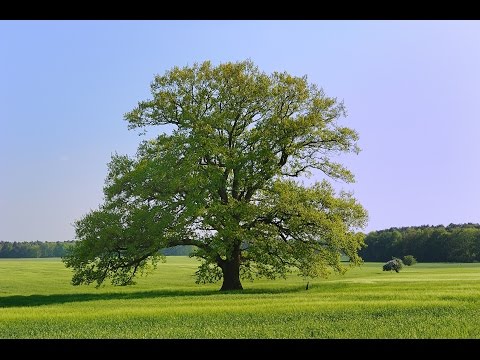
point(412, 90)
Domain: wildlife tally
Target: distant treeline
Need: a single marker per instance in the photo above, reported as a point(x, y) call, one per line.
point(34, 249)
point(180, 250)
point(39, 249)
point(453, 243)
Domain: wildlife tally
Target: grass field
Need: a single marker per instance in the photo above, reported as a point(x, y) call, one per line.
point(423, 301)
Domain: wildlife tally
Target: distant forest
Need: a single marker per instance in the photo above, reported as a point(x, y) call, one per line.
point(39, 249)
point(452, 243)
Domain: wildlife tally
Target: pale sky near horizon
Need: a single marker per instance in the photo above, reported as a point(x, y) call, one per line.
point(411, 88)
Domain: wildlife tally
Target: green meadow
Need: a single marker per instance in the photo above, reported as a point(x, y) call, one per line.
point(422, 301)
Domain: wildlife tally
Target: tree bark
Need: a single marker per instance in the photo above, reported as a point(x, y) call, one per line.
point(231, 272)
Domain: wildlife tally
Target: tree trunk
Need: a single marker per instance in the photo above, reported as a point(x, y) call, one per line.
point(231, 272)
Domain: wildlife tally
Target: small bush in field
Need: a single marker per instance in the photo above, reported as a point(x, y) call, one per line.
point(409, 260)
point(394, 264)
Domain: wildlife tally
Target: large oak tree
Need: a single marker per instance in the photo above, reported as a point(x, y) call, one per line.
point(226, 176)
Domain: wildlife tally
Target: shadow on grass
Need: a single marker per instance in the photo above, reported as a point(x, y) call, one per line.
point(39, 300)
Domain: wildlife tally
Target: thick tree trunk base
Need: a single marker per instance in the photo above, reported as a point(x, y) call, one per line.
point(231, 285)
point(231, 275)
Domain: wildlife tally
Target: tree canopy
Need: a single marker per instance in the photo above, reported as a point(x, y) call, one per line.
point(225, 175)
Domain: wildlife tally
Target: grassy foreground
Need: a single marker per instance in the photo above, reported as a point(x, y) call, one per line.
point(423, 301)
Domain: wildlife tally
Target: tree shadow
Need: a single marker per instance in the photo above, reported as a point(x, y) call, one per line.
point(54, 299)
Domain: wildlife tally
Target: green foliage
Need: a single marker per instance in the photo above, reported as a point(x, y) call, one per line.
point(454, 243)
point(409, 260)
point(37, 301)
point(395, 264)
point(224, 179)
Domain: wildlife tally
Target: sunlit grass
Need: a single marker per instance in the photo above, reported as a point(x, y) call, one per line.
point(423, 301)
